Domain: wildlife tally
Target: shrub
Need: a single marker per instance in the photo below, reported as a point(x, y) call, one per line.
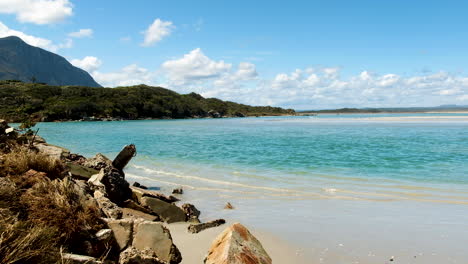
point(21, 159)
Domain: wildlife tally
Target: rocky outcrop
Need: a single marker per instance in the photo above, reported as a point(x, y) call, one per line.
point(154, 236)
point(168, 212)
point(79, 171)
point(236, 245)
point(196, 228)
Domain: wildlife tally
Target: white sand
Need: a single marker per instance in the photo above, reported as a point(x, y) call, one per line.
point(194, 247)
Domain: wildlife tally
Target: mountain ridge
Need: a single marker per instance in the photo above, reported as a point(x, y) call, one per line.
point(21, 61)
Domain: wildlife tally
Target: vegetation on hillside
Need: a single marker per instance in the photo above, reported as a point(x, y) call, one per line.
point(19, 101)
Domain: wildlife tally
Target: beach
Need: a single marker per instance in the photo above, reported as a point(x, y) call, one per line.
point(335, 189)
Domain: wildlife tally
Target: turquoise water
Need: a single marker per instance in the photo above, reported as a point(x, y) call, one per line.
point(387, 183)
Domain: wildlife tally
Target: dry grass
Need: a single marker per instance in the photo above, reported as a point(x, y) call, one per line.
point(21, 159)
point(63, 205)
point(22, 242)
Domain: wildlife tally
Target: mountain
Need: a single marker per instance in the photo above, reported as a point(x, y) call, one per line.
point(20, 61)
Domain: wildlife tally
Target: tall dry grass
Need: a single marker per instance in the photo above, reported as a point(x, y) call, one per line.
point(21, 159)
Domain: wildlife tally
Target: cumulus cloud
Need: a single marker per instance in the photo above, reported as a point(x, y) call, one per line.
point(35, 41)
point(194, 66)
point(37, 11)
point(156, 32)
point(128, 75)
point(88, 63)
point(82, 33)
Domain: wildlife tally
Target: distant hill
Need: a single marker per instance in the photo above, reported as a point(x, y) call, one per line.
point(20, 61)
point(443, 108)
point(41, 102)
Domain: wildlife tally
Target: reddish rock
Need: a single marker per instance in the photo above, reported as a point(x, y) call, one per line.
point(236, 245)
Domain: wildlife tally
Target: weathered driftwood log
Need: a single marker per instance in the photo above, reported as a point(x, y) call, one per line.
point(127, 153)
point(196, 228)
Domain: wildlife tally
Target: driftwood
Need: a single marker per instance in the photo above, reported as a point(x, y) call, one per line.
point(127, 153)
point(196, 228)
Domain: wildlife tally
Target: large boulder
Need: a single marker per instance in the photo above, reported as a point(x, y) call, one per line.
point(154, 236)
point(134, 256)
point(236, 245)
point(168, 212)
point(122, 230)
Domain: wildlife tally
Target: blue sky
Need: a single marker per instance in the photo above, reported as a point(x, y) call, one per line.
point(299, 54)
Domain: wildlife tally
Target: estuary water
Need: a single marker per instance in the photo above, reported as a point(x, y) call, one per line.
point(340, 188)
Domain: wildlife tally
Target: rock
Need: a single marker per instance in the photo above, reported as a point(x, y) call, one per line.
point(122, 230)
point(98, 162)
point(154, 236)
point(125, 155)
point(78, 259)
point(135, 206)
point(134, 256)
point(136, 184)
point(168, 212)
point(3, 126)
point(110, 209)
point(236, 245)
point(214, 114)
point(178, 191)
point(135, 214)
point(228, 206)
point(196, 228)
point(52, 151)
point(114, 183)
point(9, 130)
point(104, 234)
point(38, 139)
point(77, 159)
point(80, 171)
point(191, 213)
point(138, 194)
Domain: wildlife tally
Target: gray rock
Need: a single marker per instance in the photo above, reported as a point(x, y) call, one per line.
point(113, 183)
point(138, 193)
point(135, 214)
point(154, 236)
point(236, 245)
point(79, 171)
point(122, 230)
point(99, 161)
point(196, 228)
point(79, 259)
point(52, 151)
point(178, 191)
point(125, 155)
point(110, 209)
point(134, 256)
point(168, 212)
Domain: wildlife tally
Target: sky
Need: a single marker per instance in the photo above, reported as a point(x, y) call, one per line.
point(295, 54)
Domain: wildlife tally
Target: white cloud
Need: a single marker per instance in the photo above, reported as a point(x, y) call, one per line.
point(82, 33)
point(194, 66)
point(129, 75)
point(34, 41)
point(156, 32)
point(88, 63)
point(37, 11)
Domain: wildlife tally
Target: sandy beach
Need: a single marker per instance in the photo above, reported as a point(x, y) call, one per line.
point(195, 246)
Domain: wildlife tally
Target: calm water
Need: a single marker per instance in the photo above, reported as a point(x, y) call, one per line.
point(349, 174)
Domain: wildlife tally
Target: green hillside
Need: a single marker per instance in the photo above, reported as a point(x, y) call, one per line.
point(42, 102)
